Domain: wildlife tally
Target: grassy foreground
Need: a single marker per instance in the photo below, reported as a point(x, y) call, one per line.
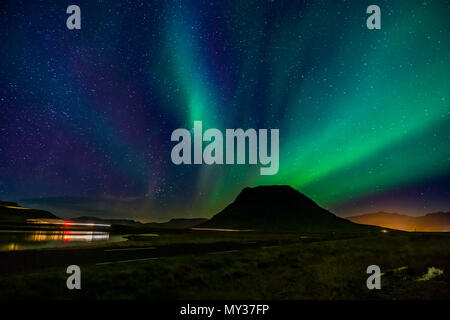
point(332, 269)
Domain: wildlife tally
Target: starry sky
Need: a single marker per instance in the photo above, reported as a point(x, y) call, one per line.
point(86, 115)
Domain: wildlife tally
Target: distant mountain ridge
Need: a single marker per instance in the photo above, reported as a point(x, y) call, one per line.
point(13, 213)
point(431, 222)
point(178, 223)
point(171, 224)
point(278, 208)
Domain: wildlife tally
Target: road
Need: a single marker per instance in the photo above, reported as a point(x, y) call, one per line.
point(26, 260)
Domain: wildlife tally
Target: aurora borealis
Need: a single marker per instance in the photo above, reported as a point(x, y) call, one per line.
point(364, 115)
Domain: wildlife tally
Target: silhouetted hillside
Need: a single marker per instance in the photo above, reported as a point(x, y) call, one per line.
point(8, 204)
point(11, 212)
point(278, 208)
point(432, 222)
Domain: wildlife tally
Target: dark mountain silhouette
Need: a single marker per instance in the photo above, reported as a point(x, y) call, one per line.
point(432, 222)
point(278, 208)
point(11, 212)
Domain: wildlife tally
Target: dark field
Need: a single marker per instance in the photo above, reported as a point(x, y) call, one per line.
point(237, 265)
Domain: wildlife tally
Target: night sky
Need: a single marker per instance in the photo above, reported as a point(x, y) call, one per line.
point(87, 115)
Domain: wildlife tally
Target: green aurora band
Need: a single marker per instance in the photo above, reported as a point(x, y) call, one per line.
point(370, 111)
